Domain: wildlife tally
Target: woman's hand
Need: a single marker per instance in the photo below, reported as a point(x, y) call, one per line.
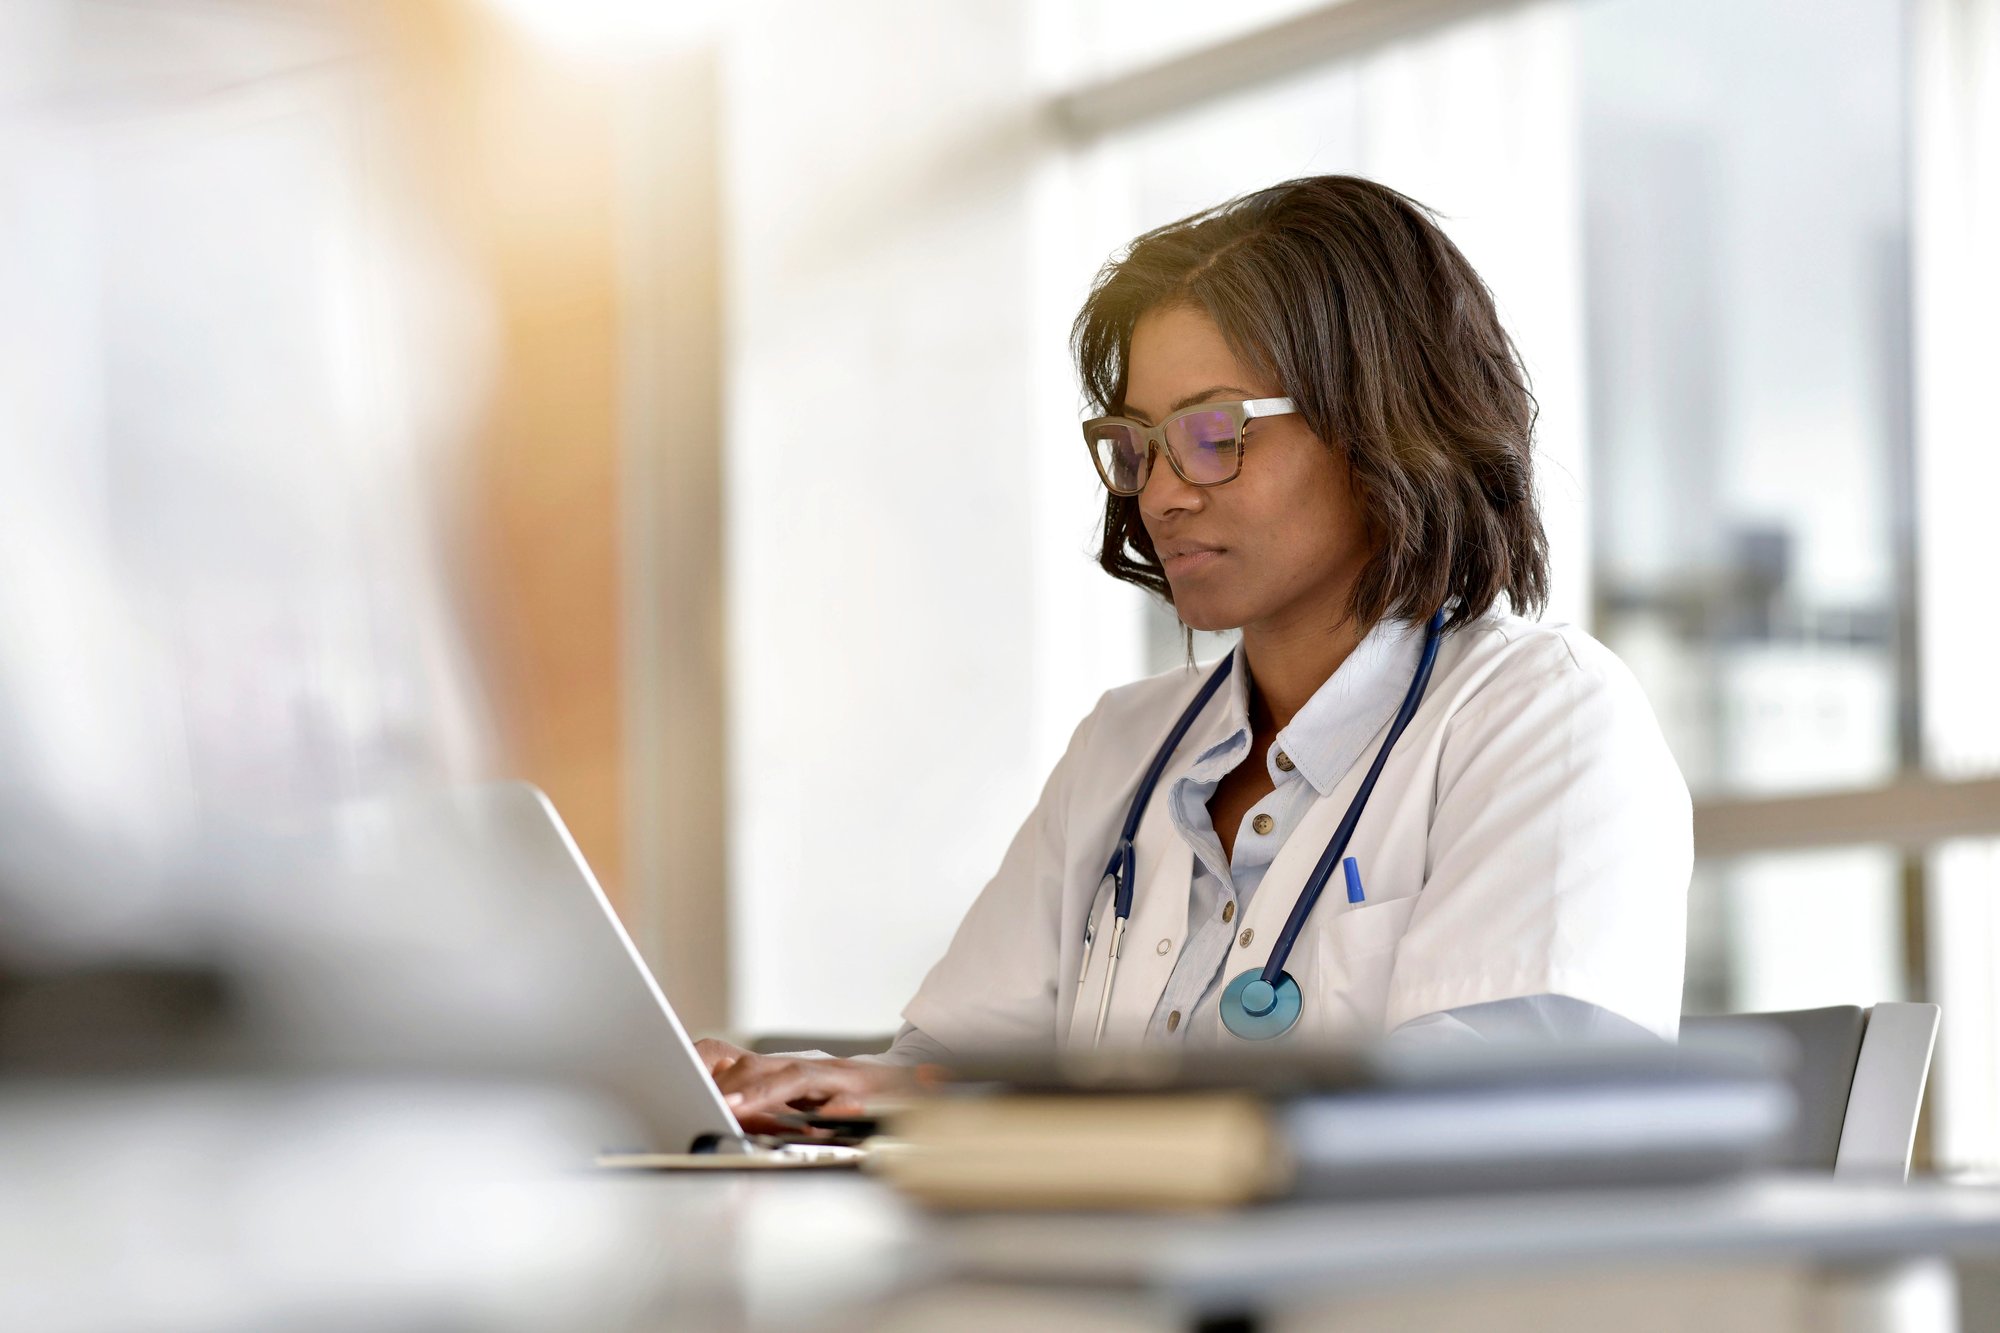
point(760, 1087)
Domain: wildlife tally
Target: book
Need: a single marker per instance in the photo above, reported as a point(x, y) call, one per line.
point(1136, 1133)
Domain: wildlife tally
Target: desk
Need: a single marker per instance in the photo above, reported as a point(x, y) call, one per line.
point(838, 1252)
point(1829, 1253)
point(239, 1205)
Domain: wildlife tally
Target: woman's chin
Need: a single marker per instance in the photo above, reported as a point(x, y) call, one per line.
point(1208, 619)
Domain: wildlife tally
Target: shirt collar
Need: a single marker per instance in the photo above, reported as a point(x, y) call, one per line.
point(1327, 735)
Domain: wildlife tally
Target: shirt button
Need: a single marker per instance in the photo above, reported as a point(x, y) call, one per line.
point(1173, 1020)
point(1284, 762)
point(1164, 945)
point(1262, 823)
point(1228, 912)
point(1245, 938)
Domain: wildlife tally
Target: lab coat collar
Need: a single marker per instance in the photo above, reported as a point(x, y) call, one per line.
point(1222, 745)
point(1224, 740)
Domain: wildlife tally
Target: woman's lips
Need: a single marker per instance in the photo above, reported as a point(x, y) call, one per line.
point(1189, 562)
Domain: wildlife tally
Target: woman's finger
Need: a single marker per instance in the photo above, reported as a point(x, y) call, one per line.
point(761, 1086)
point(717, 1056)
point(770, 1085)
point(747, 1081)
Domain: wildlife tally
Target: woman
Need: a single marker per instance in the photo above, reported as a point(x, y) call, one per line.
point(1345, 432)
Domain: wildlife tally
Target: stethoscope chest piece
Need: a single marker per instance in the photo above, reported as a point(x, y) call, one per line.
point(1254, 1009)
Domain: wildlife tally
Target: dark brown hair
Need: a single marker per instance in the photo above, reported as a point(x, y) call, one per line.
point(1350, 297)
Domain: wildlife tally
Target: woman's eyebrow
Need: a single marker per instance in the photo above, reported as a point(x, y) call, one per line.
point(1199, 396)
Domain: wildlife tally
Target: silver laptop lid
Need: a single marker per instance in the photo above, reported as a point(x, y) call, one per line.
point(638, 1050)
point(461, 933)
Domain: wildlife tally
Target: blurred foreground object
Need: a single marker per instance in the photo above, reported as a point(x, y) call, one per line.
point(265, 1061)
point(359, 1092)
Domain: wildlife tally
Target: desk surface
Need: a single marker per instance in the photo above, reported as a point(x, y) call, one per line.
point(1307, 1248)
point(213, 1205)
point(798, 1250)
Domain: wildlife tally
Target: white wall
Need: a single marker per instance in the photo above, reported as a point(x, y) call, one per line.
point(913, 623)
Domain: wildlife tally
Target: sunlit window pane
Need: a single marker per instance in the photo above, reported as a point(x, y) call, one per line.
point(1745, 228)
point(1796, 930)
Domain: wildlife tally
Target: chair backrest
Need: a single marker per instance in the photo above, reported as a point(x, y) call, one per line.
point(1859, 1081)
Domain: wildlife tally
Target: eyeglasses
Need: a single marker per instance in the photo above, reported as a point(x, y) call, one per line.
point(1203, 445)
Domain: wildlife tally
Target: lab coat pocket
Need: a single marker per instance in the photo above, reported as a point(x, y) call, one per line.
point(1357, 953)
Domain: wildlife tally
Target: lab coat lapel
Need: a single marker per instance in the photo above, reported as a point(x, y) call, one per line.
point(1166, 874)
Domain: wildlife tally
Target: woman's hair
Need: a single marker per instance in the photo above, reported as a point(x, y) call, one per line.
point(1350, 297)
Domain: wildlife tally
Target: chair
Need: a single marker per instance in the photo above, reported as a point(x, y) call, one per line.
point(1859, 1081)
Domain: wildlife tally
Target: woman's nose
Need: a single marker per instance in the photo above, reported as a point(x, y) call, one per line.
point(1164, 491)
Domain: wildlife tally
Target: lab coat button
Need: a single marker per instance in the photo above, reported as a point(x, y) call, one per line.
point(1164, 946)
point(1245, 938)
point(1262, 823)
point(1228, 913)
point(1284, 762)
point(1173, 1020)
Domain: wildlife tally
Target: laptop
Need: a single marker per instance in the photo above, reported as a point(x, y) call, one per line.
point(488, 949)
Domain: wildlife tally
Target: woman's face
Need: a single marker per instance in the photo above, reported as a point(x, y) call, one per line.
point(1279, 546)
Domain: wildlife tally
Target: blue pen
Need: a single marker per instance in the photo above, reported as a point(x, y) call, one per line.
point(1354, 894)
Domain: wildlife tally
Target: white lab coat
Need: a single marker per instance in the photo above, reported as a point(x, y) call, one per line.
point(1530, 834)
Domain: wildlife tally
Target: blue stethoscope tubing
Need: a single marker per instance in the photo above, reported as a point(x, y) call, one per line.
point(1260, 1002)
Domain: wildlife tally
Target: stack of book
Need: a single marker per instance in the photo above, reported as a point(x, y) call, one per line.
point(1165, 1130)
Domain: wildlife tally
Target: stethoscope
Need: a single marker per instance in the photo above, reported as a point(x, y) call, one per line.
point(1261, 1002)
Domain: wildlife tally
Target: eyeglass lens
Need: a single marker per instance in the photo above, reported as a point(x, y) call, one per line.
point(1205, 445)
